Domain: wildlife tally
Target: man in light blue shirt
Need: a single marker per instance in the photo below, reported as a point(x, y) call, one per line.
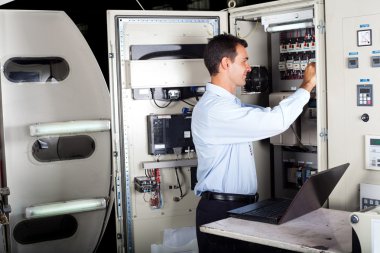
point(223, 130)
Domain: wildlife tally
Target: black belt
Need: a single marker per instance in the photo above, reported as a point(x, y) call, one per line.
point(230, 197)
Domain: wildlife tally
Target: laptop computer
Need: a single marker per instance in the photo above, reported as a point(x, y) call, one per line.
point(312, 195)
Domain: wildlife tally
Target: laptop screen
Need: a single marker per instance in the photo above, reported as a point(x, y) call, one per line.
point(314, 192)
point(312, 195)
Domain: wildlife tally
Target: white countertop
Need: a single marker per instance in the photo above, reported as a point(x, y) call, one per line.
point(323, 230)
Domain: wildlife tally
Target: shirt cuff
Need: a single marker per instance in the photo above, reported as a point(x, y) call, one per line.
point(302, 92)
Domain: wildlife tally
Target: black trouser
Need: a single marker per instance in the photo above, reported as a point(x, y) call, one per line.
point(210, 210)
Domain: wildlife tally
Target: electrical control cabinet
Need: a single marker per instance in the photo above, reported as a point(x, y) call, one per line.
point(352, 31)
point(156, 68)
point(286, 37)
point(159, 50)
point(157, 74)
point(148, 77)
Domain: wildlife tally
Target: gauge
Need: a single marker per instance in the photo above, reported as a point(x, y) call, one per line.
point(364, 38)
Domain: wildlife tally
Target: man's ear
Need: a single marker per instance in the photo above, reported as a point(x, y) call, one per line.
point(224, 64)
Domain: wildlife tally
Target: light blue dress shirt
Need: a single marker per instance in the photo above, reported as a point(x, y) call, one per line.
point(223, 130)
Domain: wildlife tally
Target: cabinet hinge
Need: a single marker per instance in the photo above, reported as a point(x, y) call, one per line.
point(324, 134)
point(321, 27)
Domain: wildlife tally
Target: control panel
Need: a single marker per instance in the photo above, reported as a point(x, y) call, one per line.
point(167, 132)
point(372, 152)
point(369, 195)
point(364, 95)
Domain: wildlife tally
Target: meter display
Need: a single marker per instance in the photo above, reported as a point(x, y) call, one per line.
point(364, 38)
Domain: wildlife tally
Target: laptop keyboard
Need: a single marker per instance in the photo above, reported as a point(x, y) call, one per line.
point(275, 210)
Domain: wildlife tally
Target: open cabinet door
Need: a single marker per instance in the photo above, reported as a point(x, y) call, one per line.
point(283, 37)
point(154, 52)
point(55, 135)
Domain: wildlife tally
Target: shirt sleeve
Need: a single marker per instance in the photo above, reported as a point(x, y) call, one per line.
point(232, 123)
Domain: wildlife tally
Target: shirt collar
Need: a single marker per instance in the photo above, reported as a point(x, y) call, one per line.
point(221, 92)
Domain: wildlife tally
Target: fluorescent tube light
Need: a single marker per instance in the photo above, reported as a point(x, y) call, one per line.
point(2, 2)
point(286, 27)
point(66, 207)
point(287, 18)
point(69, 127)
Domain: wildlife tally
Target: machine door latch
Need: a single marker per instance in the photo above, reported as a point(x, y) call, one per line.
point(4, 208)
point(323, 134)
point(4, 191)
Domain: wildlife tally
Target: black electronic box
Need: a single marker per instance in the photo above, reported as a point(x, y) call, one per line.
point(168, 131)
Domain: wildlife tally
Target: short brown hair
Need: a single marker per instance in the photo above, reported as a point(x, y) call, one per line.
point(223, 45)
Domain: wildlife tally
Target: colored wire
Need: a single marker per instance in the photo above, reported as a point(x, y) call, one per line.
point(179, 184)
point(154, 100)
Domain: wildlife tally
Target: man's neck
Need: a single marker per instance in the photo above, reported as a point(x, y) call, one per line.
point(222, 83)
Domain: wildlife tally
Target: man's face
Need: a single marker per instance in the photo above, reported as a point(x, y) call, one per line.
point(239, 68)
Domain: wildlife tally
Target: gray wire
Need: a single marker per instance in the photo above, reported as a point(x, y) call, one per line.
point(140, 5)
point(298, 138)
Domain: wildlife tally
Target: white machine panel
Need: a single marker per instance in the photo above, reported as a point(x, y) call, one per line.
point(152, 49)
point(289, 136)
point(372, 152)
point(33, 95)
point(369, 195)
point(287, 18)
point(353, 49)
point(366, 225)
point(160, 73)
